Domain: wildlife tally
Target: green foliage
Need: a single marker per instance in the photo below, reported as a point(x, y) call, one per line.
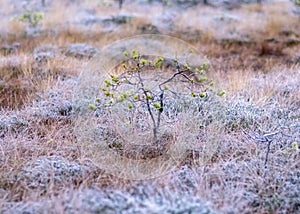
point(202, 79)
point(295, 145)
point(167, 3)
point(33, 18)
point(107, 3)
point(157, 105)
point(92, 107)
point(131, 85)
point(293, 148)
point(221, 93)
point(202, 95)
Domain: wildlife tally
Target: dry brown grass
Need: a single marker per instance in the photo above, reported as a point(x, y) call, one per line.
point(23, 77)
point(17, 74)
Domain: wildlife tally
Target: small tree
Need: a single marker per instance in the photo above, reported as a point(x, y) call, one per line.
point(131, 85)
point(33, 18)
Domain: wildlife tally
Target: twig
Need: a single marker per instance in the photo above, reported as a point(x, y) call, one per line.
point(266, 138)
point(268, 151)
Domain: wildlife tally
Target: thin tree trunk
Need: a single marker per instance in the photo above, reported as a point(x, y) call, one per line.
point(120, 4)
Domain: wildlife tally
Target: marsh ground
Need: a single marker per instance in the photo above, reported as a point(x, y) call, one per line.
point(255, 51)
